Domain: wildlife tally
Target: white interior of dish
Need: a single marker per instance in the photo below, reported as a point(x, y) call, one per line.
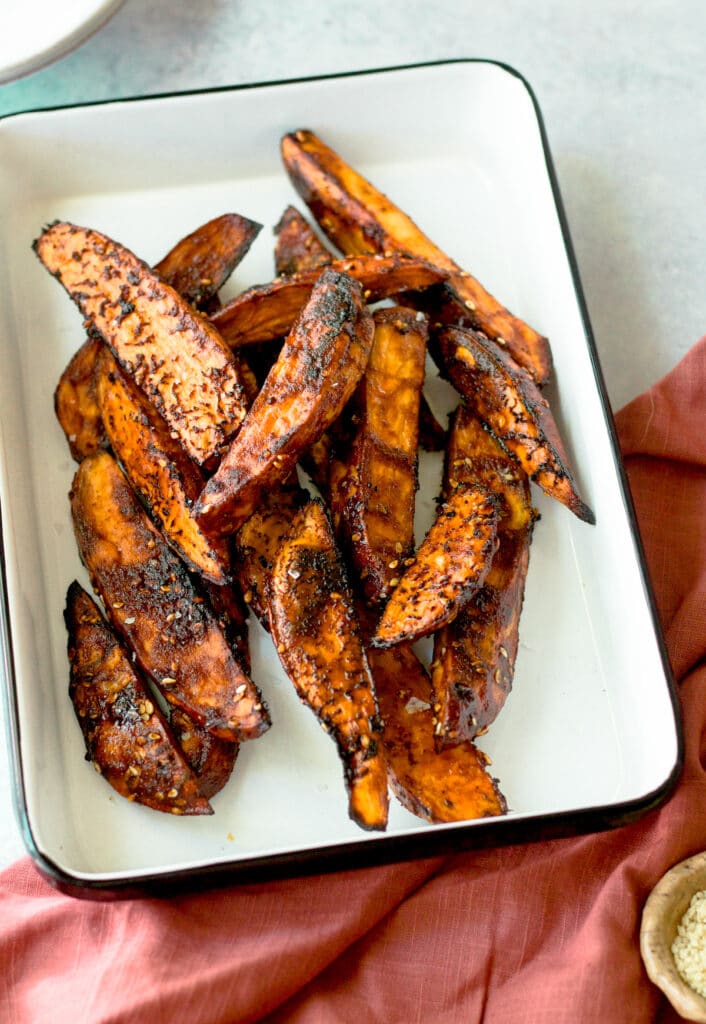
point(589, 722)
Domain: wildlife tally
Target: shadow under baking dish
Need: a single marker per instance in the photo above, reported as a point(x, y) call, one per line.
point(589, 737)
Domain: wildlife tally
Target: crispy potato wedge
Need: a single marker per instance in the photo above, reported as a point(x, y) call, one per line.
point(298, 247)
point(174, 355)
point(319, 366)
point(200, 264)
point(211, 759)
point(258, 541)
point(373, 485)
point(127, 737)
point(508, 403)
point(267, 311)
point(451, 785)
point(358, 218)
point(76, 402)
point(474, 656)
point(153, 604)
point(315, 631)
point(159, 469)
point(451, 563)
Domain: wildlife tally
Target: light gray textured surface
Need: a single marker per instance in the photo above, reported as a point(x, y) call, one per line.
point(621, 85)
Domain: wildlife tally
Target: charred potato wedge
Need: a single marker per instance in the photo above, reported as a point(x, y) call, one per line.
point(76, 402)
point(508, 403)
point(159, 469)
point(451, 785)
point(451, 563)
point(319, 366)
point(211, 759)
point(175, 356)
point(201, 263)
point(126, 736)
point(258, 542)
point(358, 218)
point(268, 311)
point(298, 247)
point(154, 606)
point(373, 482)
point(315, 631)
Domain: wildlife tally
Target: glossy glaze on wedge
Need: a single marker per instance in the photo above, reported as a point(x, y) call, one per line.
point(201, 263)
point(320, 364)
point(315, 631)
point(268, 311)
point(76, 402)
point(127, 738)
point(474, 656)
point(173, 354)
point(211, 759)
point(298, 247)
point(159, 469)
point(374, 478)
point(451, 563)
point(358, 218)
point(449, 785)
point(154, 606)
point(508, 402)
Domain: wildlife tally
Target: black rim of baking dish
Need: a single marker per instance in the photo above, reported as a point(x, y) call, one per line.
point(432, 842)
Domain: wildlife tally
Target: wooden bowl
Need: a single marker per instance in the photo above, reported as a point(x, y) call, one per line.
point(664, 909)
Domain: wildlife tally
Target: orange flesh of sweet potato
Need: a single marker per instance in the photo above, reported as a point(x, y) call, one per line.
point(320, 364)
point(508, 402)
point(316, 634)
point(358, 218)
point(202, 262)
point(76, 402)
point(372, 487)
point(211, 759)
point(451, 563)
point(174, 355)
point(267, 311)
point(159, 469)
point(449, 785)
point(127, 737)
point(229, 608)
point(153, 604)
point(474, 656)
point(297, 247)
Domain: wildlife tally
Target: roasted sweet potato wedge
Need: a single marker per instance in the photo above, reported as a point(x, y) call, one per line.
point(319, 366)
point(315, 631)
point(174, 355)
point(508, 402)
point(159, 469)
point(211, 759)
point(231, 611)
point(451, 785)
point(373, 485)
point(76, 402)
point(451, 563)
point(153, 604)
point(258, 541)
point(297, 247)
point(358, 218)
point(203, 261)
point(268, 311)
point(127, 737)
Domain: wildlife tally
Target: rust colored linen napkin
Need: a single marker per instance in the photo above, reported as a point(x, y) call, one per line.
point(546, 932)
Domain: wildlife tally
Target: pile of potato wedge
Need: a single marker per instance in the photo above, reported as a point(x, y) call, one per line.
point(193, 423)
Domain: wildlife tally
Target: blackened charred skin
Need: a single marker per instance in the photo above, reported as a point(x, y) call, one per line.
point(127, 737)
point(315, 631)
point(320, 364)
point(153, 604)
point(510, 405)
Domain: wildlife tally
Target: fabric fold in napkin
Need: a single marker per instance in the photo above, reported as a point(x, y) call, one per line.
point(536, 933)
